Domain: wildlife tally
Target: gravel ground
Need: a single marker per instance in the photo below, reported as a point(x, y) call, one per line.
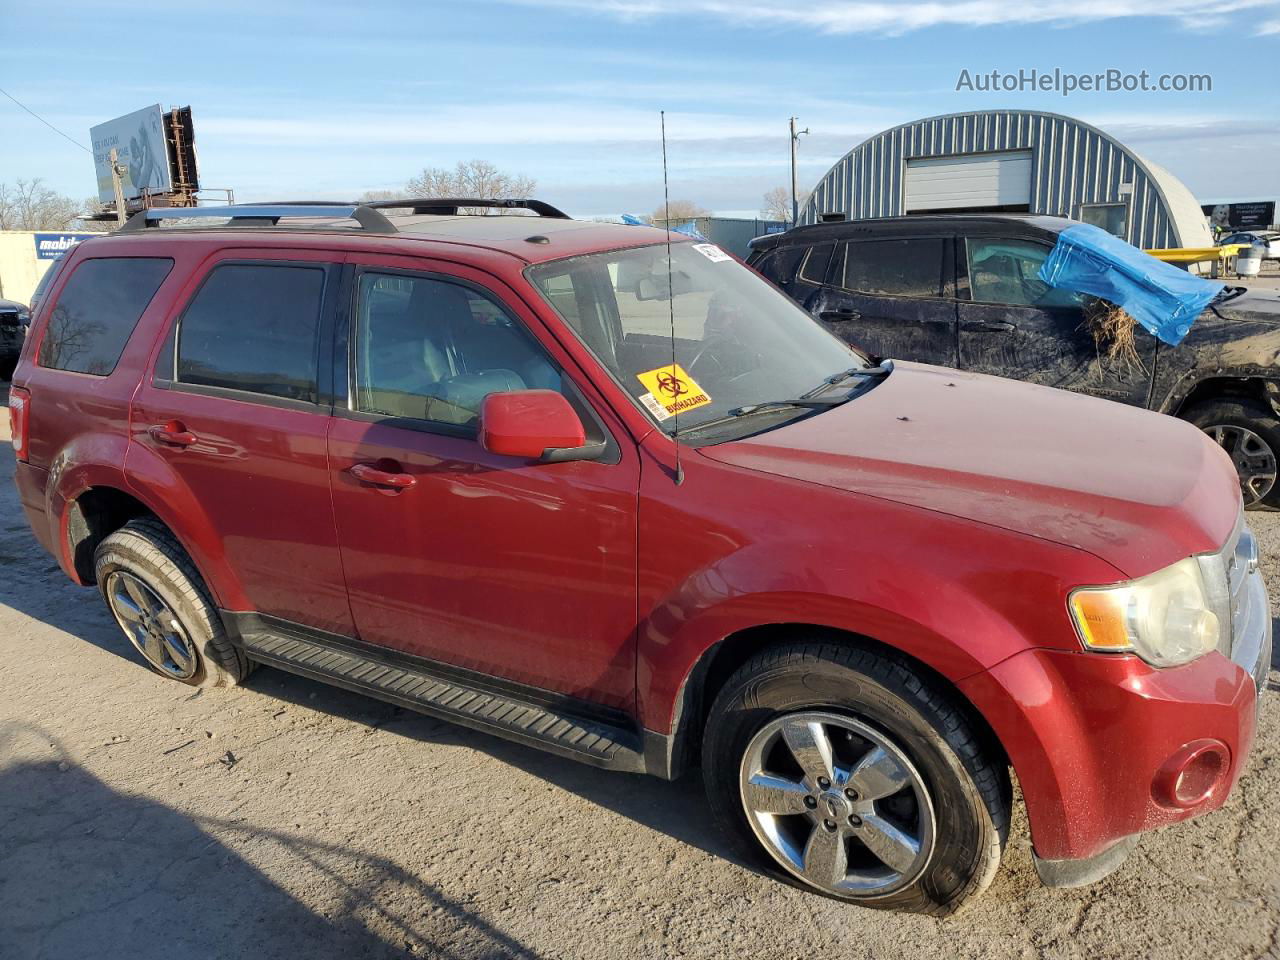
point(289, 819)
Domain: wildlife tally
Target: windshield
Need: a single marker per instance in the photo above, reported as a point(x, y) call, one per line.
point(739, 341)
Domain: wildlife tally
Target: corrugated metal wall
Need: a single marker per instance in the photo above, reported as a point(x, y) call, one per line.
point(1073, 164)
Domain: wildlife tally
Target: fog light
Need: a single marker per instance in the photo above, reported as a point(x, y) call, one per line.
point(1192, 775)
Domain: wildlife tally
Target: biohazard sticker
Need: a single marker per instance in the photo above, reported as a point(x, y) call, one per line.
point(672, 390)
point(712, 252)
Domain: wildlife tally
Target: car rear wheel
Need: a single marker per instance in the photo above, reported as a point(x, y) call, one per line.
point(841, 771)
point(1250, 435)
point(158, 599)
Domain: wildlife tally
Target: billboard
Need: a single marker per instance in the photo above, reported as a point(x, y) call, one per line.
point(141, 146)
point(1247, 216)
point(51, 246)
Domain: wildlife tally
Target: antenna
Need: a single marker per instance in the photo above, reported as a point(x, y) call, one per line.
point(671, 293)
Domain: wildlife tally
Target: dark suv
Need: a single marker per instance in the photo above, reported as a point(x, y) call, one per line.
point(606, 492)
point(962, 291)
point(14, 318)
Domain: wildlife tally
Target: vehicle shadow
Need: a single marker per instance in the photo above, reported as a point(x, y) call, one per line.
point(677, 809)
point(31, 582)
point(91, 872)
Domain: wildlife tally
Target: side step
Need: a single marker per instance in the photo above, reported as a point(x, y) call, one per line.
point(440, 692)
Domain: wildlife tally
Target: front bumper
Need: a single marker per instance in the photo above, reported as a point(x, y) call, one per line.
point(1091, 737)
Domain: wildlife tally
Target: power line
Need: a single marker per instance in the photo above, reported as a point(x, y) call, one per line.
point(44, 121)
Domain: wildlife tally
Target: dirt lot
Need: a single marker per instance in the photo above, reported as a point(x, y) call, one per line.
point(290, 819)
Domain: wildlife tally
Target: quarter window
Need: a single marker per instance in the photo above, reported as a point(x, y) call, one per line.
point(97, 310)
point(254, 328)
point(432, 350)
point(895, 268)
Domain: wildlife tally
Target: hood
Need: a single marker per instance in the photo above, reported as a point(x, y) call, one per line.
point(1135, 488)
point(1258, 304)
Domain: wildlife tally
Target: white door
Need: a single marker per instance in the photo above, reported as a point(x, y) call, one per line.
point(972, 182)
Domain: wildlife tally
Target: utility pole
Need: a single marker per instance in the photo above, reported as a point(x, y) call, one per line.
point(795, 139)
point(117, 172)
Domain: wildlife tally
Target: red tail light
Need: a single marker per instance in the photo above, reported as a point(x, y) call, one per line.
point(19, 420)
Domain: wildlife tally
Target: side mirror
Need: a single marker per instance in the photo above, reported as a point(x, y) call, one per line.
point(534, 425)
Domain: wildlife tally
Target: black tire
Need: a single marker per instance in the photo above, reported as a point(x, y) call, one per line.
point(970, 790)
point(1231, 415)
point(146, 550)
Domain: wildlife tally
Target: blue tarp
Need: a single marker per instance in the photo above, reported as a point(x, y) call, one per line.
point(689, 229)
point(1161, 297)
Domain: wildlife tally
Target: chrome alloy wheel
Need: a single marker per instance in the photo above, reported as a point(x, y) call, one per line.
point(151, 625)
point(1253, 457)
point(837, 804)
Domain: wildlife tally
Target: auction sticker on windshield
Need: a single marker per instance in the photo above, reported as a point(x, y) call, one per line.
point(712, 252)
point(671, 391)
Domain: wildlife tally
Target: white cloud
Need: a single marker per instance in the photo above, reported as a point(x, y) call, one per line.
point(851, 16)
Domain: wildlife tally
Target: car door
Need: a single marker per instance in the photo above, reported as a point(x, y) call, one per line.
point(525, 571)
point(1014, 325)
point(893, 298)
point(237, 408)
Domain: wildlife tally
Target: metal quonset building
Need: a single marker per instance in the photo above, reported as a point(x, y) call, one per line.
point(1013, 161)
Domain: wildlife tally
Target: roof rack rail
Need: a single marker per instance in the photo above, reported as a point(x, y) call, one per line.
point(265, 214)
point(449, 206)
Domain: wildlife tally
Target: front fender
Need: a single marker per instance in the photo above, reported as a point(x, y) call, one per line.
point(956, 595)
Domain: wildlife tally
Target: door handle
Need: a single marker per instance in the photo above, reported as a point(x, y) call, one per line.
point(989, 326)
point(172, 434)
point(842, 314)
point(368, 473)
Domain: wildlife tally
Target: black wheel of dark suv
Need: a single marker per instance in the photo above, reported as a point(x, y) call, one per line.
point(842, 772)
point(157, 597)
point(1250, 434)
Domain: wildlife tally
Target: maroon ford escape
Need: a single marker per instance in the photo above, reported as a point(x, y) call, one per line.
point(605, 492)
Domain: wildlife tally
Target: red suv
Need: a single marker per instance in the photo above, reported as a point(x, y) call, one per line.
point(605, 491)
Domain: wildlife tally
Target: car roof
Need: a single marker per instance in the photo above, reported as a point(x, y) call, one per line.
point(1031, 224)
point(531, 239)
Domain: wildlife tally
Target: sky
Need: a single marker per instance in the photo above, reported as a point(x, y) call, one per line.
point(324, 100)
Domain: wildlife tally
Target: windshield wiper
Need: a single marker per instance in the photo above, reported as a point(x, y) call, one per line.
point(884, 369)
point(806, 402)
point(810, 403)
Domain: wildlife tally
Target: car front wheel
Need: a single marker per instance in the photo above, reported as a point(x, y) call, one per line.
point(842, 771)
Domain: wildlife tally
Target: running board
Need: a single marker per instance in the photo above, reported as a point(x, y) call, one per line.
point(413, 684)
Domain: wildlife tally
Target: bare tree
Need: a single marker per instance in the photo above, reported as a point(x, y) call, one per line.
point(777, 204)
point(471, 178)
point(30, 205)
point(680, 211)
point(372, 196)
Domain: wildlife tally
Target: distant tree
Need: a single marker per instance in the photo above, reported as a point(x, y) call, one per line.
point(681, 211)
point(471, 178)
point(30, 205)
point(777, 204)
point(373, 196)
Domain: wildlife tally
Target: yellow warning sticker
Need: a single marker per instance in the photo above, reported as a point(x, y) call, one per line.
point(673, 390)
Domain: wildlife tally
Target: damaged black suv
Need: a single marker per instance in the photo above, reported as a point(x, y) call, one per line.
point(963, 291)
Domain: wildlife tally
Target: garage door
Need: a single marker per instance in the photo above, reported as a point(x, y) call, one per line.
point(978, 182)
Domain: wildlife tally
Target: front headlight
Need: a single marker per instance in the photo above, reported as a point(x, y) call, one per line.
point(1166, 618)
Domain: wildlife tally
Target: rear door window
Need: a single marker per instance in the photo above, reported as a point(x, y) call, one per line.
point(912, 267)
point(96, 312)
point(254, 328)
